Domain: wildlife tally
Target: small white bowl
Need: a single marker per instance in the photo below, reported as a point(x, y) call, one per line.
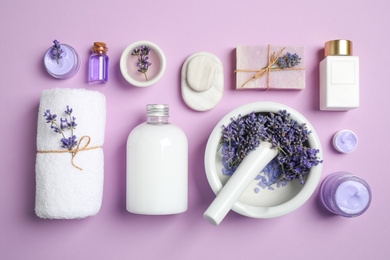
point(266, 203)
point(127, 52)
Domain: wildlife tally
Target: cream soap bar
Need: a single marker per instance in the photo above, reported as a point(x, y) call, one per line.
point(255, 57)
point(202, 81)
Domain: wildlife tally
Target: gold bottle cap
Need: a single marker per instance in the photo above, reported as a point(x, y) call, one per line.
point(338, 47)
point(99, 47)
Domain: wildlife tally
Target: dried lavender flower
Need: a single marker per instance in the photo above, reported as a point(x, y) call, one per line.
point(294, 158)
point(135, 52)
point(72, 124)
point(288, 61)
point(56, 51)
point(281, 63)
point(145, 50)
point(68, 111)
point(64, 124)
point(56, 129)
point(49, 117)
point(143, 58)
point(70, 142)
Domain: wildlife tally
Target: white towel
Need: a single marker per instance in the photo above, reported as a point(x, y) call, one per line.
point(62, 190)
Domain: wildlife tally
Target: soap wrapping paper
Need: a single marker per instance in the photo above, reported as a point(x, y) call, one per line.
point(255, 57)
point(62, 190)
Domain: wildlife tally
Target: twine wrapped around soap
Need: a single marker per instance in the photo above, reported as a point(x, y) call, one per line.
point(75, 151)
point(267, 70)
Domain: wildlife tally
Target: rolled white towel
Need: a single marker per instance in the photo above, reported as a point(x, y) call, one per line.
point(65, 190)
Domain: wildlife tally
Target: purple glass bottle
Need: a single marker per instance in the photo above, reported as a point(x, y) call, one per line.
point(98, 63)
point(345, 194)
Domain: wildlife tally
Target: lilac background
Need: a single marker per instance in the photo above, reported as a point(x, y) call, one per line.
point(181, 28)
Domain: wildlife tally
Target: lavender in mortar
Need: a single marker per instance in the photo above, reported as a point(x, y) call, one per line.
point(143, 58)
point(294, 158)
point(56, 51)
point(68, 143)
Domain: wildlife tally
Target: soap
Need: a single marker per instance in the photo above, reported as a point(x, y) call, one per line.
point(200, 73)
point(202, 81)
point(255, 57)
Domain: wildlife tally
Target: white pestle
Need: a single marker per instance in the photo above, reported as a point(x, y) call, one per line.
point(246, 172)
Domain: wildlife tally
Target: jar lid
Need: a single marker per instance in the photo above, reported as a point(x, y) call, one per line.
point(99, 47)
point(338, 47)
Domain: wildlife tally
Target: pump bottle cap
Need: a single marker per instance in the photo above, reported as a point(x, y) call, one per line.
point(338, 47)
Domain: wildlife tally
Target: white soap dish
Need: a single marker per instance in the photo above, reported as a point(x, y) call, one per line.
point(202, 81)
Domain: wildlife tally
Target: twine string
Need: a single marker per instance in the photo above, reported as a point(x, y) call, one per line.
point(267, 70)
point(75, 151)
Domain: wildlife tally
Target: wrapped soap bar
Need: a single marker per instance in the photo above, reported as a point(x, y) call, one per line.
point(253, 60)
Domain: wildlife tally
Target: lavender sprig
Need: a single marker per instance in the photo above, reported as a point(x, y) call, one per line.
point(143, 58)
point(68, 111)
point(288, 61)
point(70, 142)
point(49, 117)
point(56, 51)
point(294, 158)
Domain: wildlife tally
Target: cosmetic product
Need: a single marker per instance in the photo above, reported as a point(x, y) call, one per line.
point(339, 77)
point(61, 61)
point(98, 63)
point(258, 68)
point(202, 81)
point(142, 63)
point(345, 194)
point(157, 166)
point(345, 141)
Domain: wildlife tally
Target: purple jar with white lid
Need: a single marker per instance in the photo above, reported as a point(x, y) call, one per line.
point(345, 194)
point(61, 61)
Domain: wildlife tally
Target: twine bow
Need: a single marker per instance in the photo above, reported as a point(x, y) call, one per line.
point(267, 70)
point(75, 151)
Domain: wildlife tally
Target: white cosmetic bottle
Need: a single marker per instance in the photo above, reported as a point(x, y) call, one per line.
point(157, 166)
point(339, 77)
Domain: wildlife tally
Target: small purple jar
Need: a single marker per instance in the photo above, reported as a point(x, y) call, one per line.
point(345, 141)
point(345, 194)
point(66, 66)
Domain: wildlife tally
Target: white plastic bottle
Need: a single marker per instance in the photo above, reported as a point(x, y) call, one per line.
point(157, 166)
point(339, 77)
